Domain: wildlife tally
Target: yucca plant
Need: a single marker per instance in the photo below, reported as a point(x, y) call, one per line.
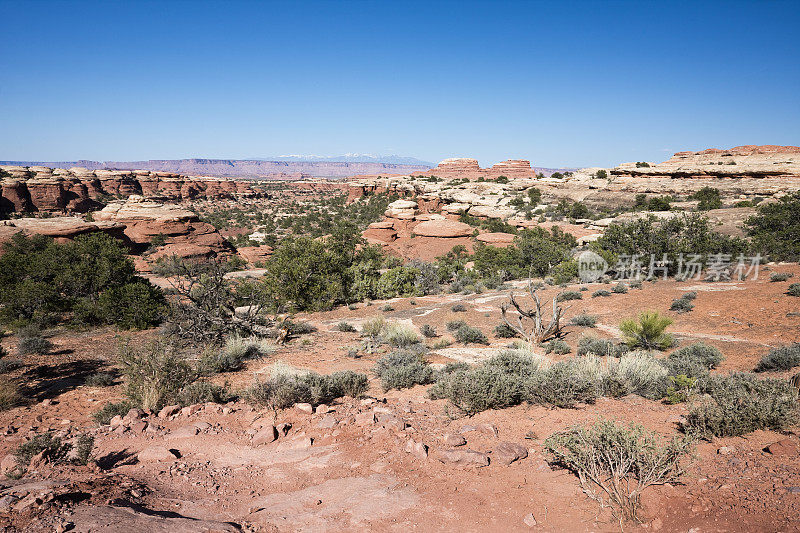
point(648, 332)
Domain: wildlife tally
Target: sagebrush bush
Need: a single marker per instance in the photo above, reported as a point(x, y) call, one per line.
point(694, 360)
point(83, 450)
point(287, 386)
point(781, 358)
point(9, 365)
point(647, 332)
point(584, 320)
point(620, 461)
point(560, 386)
point(402, 369)
point(569, 295)
point(730, 406)
point(681, 305)
point(504, 331)
point(345, 327)
point(233, 355)
point(154, 373)
point(101, 379)
point(31, 341)
point(203, 392)
point(428, 331)
point(477, 390)
point(459, 308)
point(49, 443)
point(469, 335)
point(620, 288)
point(600, 292)
point(104, 415)
point(400, 335)
point(591, 345)
point(374, 327)
point(794, 289)
point(455, 325)
point(557, 346)
point(9, 394)
point(780, 276)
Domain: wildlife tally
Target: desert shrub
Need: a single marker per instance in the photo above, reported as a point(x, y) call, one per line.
point(31, 341)
point(398, 281)
point(89, 280)
point(643, 374)
point(708, 197)
point(441, 343)
point(685, 234)
point(374, 327)
point(203, 392)
point(584, 320)
point(794, 289)
point(154, 373)
point(680, 389)
point(455, 325)
point(560, 386)
point(345, 327)
point(619, 288)
point(299, 328)
point(684, 303)
point(278, 392)
point(52, 446)
point(101, 379)
point(781, 358)
point(533, 253)
point(775, 227)
point(591, 345)
point(233, 355)
point(600, 293)
point(402, 369)
point(618, 461)
point(479, 389)
point(9, 394)
point(504, 331)
point(648, 332)
point(451, 368)
point(557, 346)
point(428, 331)
point(387, 308)
point(469, 335)
point(401, 335)
point(564, 272)
point(104, 415)
point(739, 404)
point(780, 276)
point(348, 383)
point(569, 295)
point(694, 360)
point(458, 308)
point(83, 450)
point(9, 365)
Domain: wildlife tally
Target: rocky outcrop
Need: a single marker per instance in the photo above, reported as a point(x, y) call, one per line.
point(469, 169)
point(28, 189)
point(443, 229)
point(739, 162)
point(59, 228)
point(183, 234)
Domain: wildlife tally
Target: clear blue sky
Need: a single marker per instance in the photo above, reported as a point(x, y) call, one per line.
point(559, 83)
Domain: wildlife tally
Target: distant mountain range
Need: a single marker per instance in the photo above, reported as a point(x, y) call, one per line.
point(291, 166)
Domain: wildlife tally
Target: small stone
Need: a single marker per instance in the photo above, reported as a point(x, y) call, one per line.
point(322, 409)
point(529, 520)
point(183, 433)
point(726, 450)
point(489, 429)
point(365, 419)
point(304, 407)
point(116, 421)
point(417, 449)
point(189, 410)
point(157, 454)
point(464, 457)
point(283, 428)
point(168, 411)
point(783, 447)
point(453, 440)
point(508, 452)
point(656, 524)
point(8, 464)
point(327, 422)
point(265, 436)
point(7, 502)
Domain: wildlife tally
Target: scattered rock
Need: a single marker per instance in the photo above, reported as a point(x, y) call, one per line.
point(726, 450)
point(529, 520)
point(168, 411)
point(184, 432)
point(489, 429)
point(304, 407)
point(8, 464)
point(453, 440)
point(417, 449)
point(265, 436)
point(464, 457)
point(508, 452)
point(157, 454)
point(783, 447)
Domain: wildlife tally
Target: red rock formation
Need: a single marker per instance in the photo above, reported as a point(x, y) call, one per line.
point(81, 190)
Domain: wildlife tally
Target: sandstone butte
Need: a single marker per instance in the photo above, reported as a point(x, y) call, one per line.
point(26, 189)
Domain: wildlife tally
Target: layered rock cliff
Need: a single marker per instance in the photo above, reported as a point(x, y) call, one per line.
point(26, 189)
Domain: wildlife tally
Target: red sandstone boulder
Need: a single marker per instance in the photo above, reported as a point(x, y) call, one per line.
point(443, 229)
point(501, 240)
